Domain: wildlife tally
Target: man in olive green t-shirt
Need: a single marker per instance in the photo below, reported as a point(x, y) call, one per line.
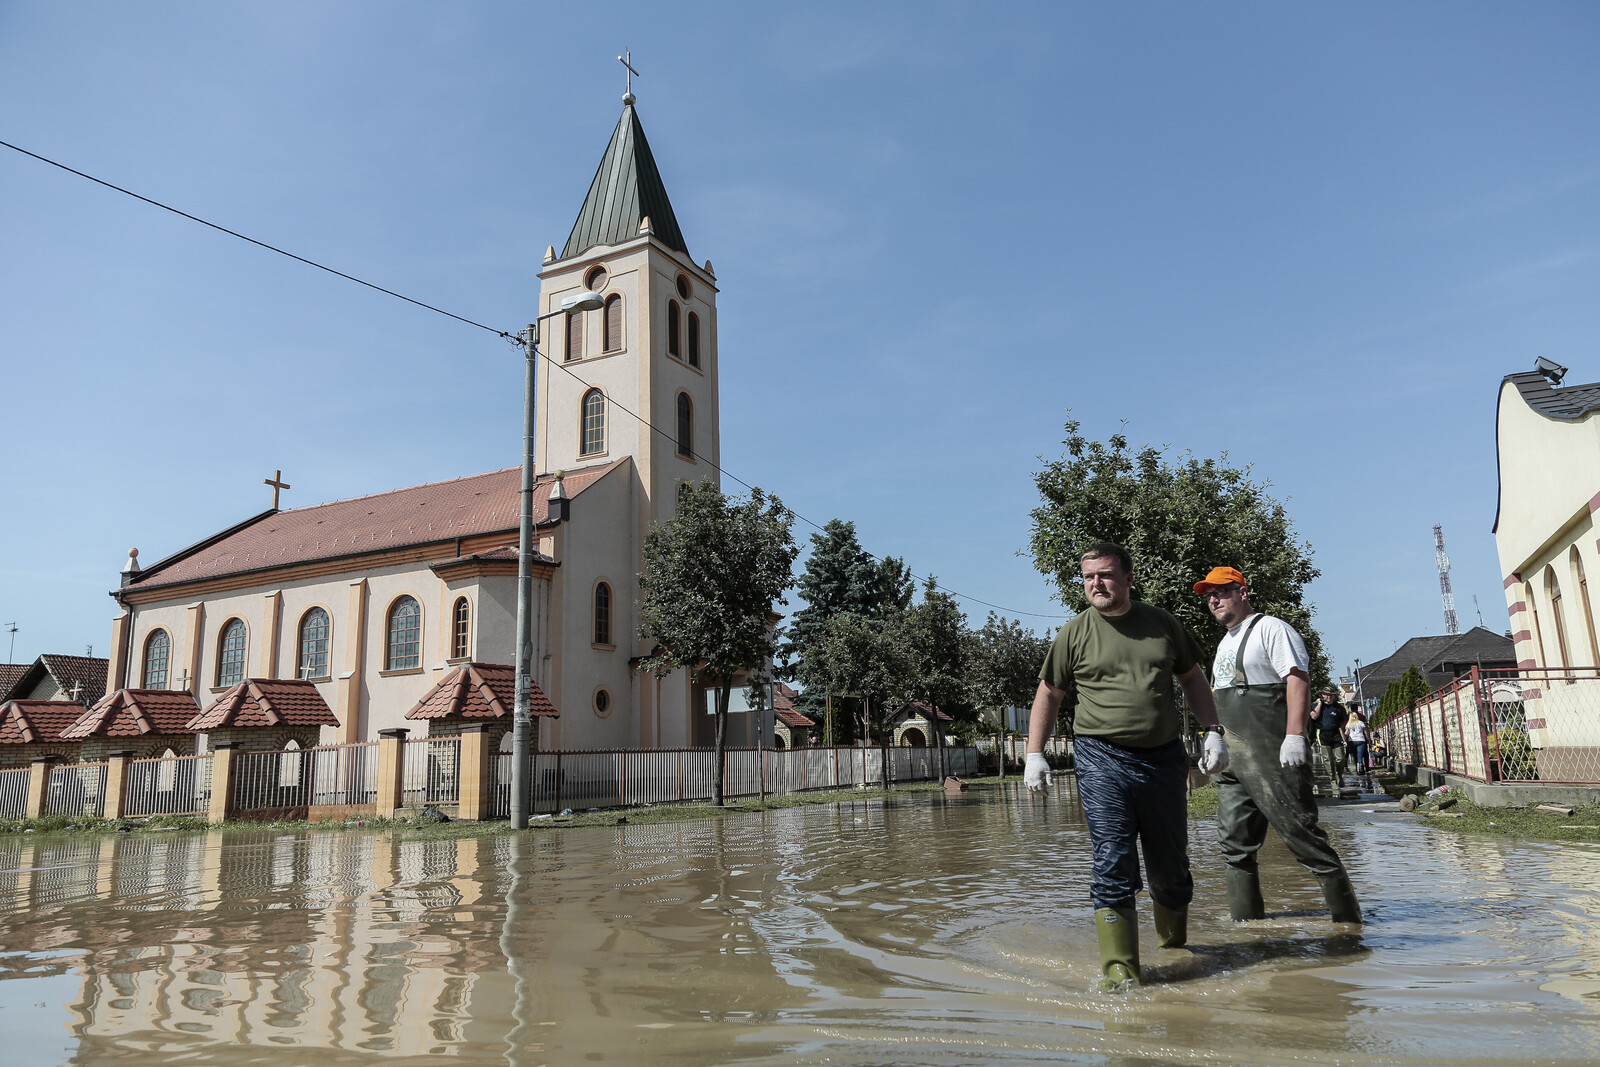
point(1119, 659)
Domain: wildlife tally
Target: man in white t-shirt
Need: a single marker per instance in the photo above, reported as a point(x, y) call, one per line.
point(1261, 690)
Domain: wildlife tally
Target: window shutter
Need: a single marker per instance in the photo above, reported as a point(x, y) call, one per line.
point(575, 336)
point(614, 324)
point(672, 328)
point(694, 339)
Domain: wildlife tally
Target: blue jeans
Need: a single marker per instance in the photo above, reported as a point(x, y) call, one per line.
point(1358, 754)
point(1136, 795)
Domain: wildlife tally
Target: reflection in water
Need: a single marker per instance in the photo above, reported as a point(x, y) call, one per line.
point(927, 929)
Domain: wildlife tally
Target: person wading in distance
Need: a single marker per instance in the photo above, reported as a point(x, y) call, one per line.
point(1261, 694)
point(1119, 659)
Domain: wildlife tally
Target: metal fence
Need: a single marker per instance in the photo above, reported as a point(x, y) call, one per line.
point(617, 778)
point(170, 785)
point(431, 771)
point(329, 776)
point(1530, 724)
point(14, 793)
point(77, 789)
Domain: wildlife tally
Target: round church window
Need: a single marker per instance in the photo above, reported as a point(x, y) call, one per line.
point(683, 286)
point(602, 702)
point(596, 282)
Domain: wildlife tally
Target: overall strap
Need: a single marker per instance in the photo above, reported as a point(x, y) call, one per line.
point(1238, 657)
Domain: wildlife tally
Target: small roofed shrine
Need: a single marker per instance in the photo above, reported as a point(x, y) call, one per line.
point(32, 728)
point(478, 693)
point(146, 722)
point(266, 715)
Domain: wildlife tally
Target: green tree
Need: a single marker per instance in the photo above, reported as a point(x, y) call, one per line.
point(839, 577)
point(1179, 519)
point(864, 658)
point(1004, 666)
point(1400, 694)
point(938, 642)
point(712, 575)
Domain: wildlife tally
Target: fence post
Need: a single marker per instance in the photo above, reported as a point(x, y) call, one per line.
point(39, 785)
point(116, 799)
point(472, 774)
point(224, 760)
point(391, 771)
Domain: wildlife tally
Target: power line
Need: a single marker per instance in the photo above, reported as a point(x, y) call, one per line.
point(509, 336)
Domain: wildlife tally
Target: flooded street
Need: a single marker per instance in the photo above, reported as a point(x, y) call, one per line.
point(923, 930)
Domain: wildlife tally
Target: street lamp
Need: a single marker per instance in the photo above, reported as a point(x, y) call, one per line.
point(522, 718)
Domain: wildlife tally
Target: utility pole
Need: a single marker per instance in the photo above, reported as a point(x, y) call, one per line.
point(1451, 624)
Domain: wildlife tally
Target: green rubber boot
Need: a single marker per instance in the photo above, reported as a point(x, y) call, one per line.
point(1244, 895)
point(1172, 926)
point(1119, 948)
point(1341, 896)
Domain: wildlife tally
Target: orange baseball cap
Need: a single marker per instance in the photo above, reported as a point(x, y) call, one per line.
point(1219, 577)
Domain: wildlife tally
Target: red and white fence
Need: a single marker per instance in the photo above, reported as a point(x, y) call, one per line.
point(1524, 725)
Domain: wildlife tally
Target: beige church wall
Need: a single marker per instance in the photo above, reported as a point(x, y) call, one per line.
point(387, 695)
point(598, 544)
point(1544, 512)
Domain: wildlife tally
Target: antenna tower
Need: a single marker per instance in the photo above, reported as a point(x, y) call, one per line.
point(1451, 624)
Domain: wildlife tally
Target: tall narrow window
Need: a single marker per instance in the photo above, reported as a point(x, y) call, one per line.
point(1581, 583)
point(1552, 593)
point(574, 335)
point(694, 339)
point(613, 323)
point(312, 661)
point(602, 614)
point(1533, 622)
point(685, 426)
point(594, 423)
point(673, 349)
point(157, 654)
point(461, 629)
point(404, 651)
point(230, 653)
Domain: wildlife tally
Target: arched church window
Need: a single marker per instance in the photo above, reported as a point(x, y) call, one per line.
point(312, 646)
point(1552, 594)
point(602, 613)
point(404, 649)
point(230, 653)
point(694, 339)
point(574, 335)
point(1533, 622)
point(289, 762)
point(594, 423)
point(461, 629)
point(613, 323)
point(1581, 584)
point(685, 426)
point(157, 655)
point(673, 314)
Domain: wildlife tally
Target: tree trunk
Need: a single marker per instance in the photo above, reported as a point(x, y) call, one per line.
point(723, 692)
point(938, 740)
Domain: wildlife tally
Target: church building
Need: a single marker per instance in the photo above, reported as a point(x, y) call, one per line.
point(375, 599)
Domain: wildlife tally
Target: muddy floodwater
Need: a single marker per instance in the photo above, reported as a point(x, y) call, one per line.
point(921, 930)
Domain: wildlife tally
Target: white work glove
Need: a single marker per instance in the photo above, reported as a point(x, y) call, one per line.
point(1293, 751)
point(1036, 775)
point(1213, 754)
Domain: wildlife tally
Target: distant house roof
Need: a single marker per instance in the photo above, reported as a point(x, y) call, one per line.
point(266, 702)
point(423, 514)
point(918, 708)
point(783, 707)
point(626, 189)
point(1438, 658)
point(85, 673)
point(10, 675)
point(26, 722)
point(136, 712)
point(478, 691)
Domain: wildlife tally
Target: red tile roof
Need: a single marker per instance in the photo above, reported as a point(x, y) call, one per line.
point(783, 707)
point(133, 712)
point(478, 691)
point(24, 722)
point(266, 702)
point(423, 514)
point(10, 675)
point(86, 673)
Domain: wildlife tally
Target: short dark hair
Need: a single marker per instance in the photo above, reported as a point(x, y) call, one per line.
point(1107, 550)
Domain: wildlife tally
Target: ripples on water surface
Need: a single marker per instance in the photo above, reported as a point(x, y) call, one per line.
point(924, 930)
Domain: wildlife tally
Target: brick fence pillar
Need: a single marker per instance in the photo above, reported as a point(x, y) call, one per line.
point(39, 785)
point(116, 800)
point(391, 771)
point(472, 788)
point(224, 760)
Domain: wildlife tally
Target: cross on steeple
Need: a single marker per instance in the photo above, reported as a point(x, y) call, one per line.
point(277, 483)
point(627, 61)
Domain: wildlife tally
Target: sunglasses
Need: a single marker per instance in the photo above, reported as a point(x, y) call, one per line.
point(1227, 592)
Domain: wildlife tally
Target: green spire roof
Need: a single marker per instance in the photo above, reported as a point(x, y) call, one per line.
point(626, 189)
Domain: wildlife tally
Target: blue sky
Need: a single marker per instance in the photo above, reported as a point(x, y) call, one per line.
point(1314, 238)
